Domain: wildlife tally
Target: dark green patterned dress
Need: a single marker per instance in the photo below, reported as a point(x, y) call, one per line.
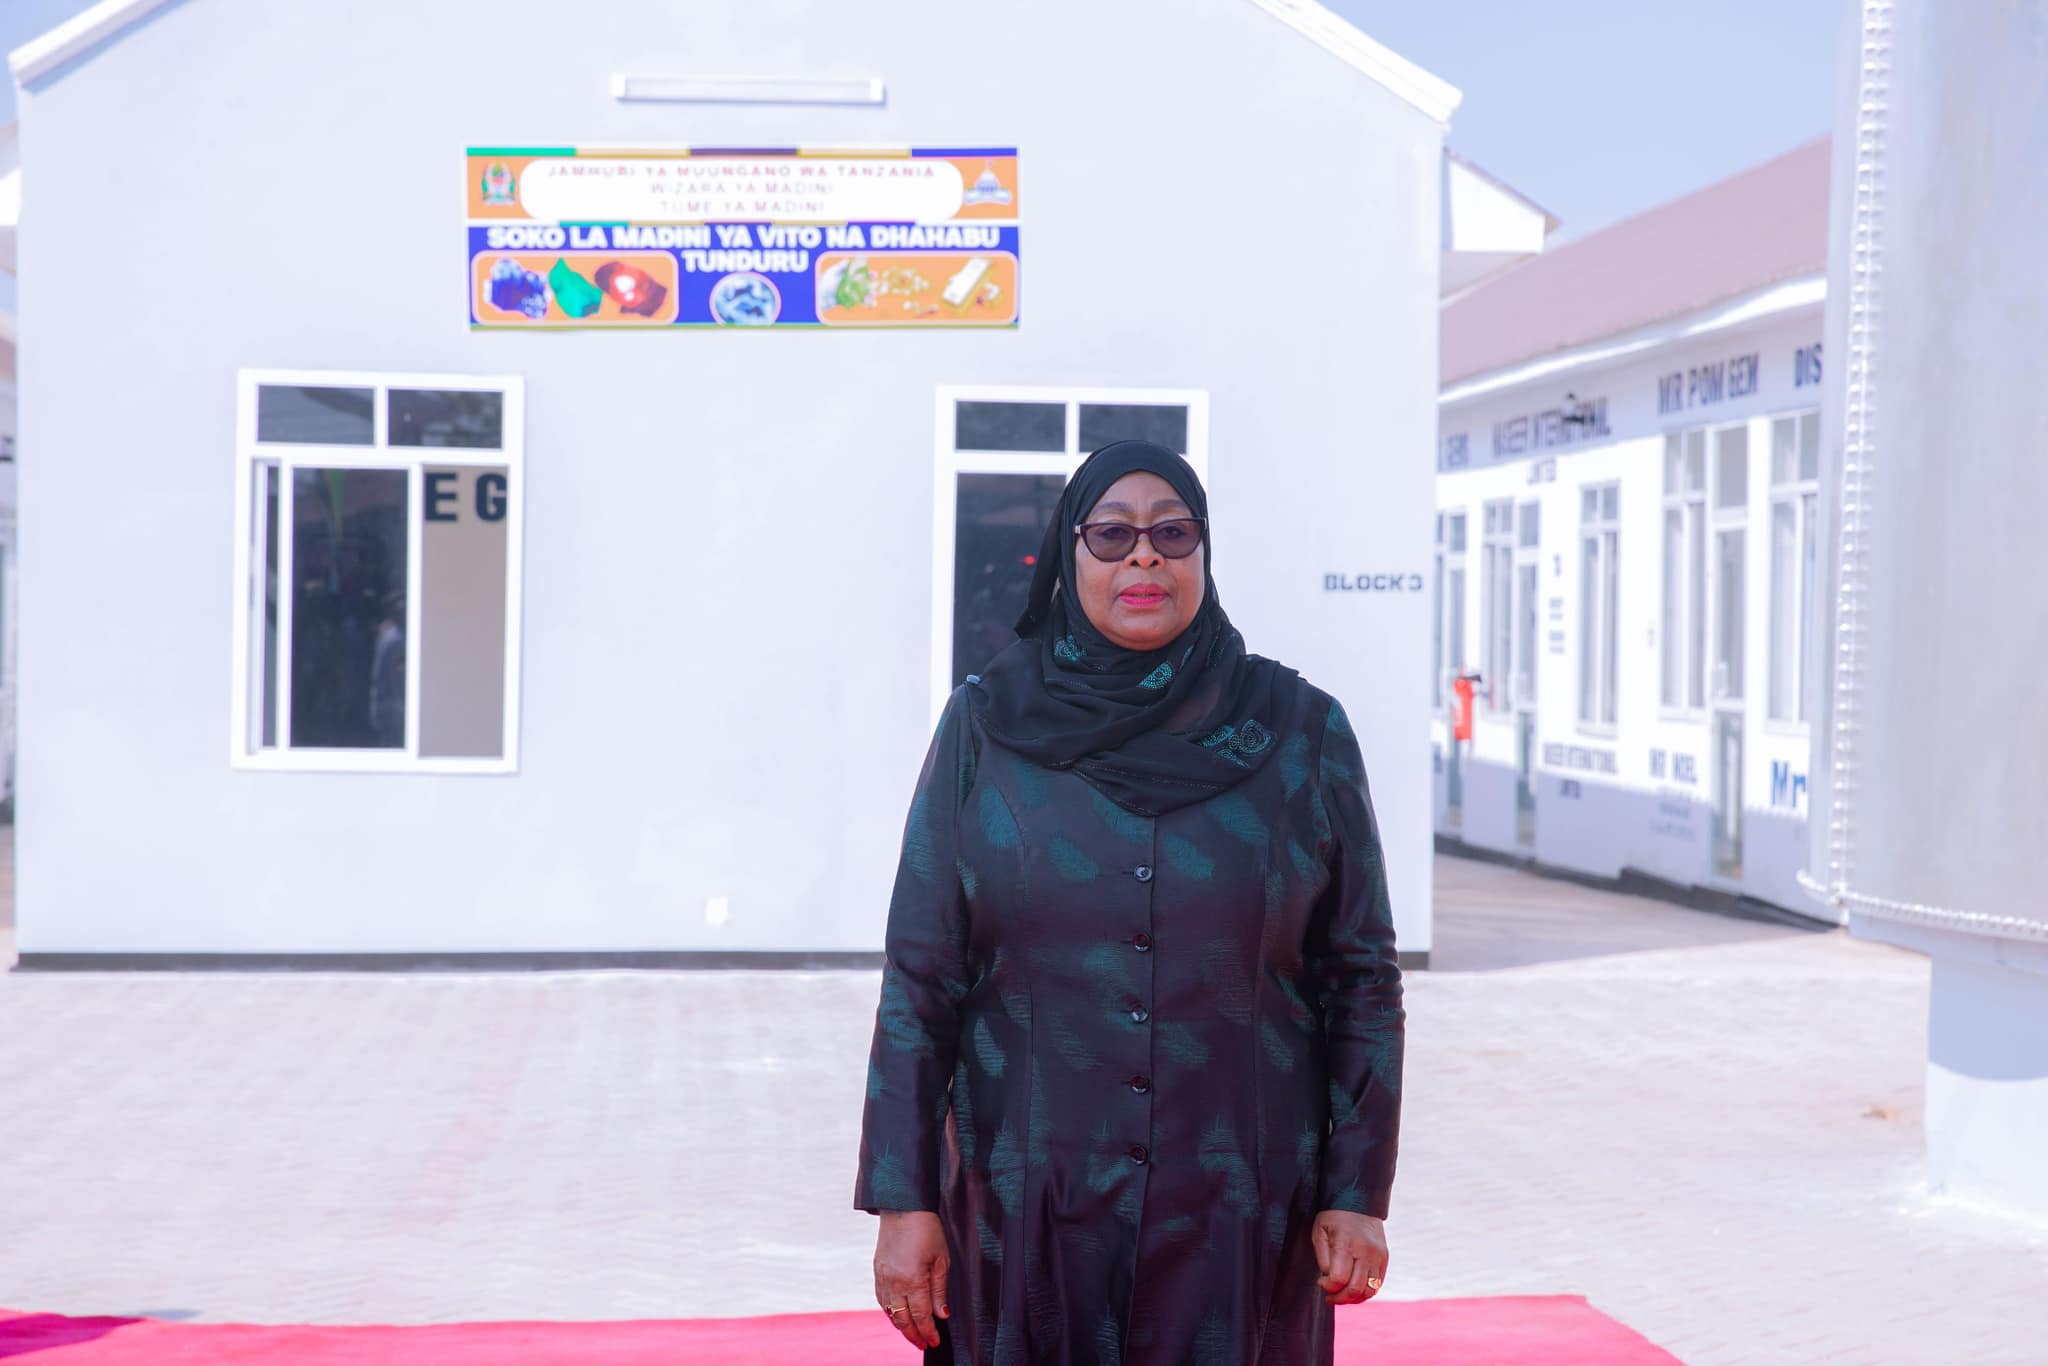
point(1128, 1059)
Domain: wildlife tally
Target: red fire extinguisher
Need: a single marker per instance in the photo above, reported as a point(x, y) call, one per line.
point(1461, 708)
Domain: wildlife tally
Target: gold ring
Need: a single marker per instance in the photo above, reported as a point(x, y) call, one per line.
point(897, 1310)
point(1373, 1282)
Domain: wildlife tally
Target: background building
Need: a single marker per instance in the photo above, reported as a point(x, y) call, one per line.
point(1625, 542)
point(364, 619)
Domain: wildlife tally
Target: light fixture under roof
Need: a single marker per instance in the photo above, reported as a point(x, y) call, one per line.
point(746, 90)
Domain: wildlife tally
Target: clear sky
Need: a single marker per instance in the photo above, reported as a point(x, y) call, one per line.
point(1598, 109)
point(1595, 109)
point(21, 20)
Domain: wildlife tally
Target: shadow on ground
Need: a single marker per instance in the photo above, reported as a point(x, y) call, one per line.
point(1490, 917)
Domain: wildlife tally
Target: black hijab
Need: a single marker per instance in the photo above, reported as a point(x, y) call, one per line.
point(1150, 730)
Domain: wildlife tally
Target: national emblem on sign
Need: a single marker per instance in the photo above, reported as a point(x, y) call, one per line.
point(498, 185)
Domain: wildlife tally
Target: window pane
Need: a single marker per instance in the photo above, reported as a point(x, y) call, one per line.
point(1731, 467)
point(1809, 446)
point(465, 574)
point(1673, 635)
point(1674, 464)
point(1489, 608)
point(1531, 532)
point(1436, 625)
point(1610, 501)
point(1525, 641)
point(445, 417)
point(1503, 627)
point(1610, 631)
point(1162, 425)
point(1729, 602)
point(1458, 533)
point(348, 609)
point(1784, 641)
point(999, 523)
point(1456, 628)
point(308, 415)
point(1010, 427)
point(1589, 505)
point(1784, 450)
point(1696, 607)
point(1696, 461)
point(263, 557)
point(1809, 530)
point(1589, 625)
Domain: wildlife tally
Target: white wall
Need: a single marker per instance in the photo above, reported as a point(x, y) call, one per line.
point(10, 585)
point(1211, 202)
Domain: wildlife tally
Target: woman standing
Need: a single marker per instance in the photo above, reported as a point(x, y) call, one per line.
point(1135, 1085)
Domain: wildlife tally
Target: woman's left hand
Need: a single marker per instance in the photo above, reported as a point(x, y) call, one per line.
point(1351, 1252)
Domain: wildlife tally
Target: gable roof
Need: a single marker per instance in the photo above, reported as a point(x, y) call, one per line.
point(1761, 227)
point(78, 36)
point(1430, 93)
point(87, 32)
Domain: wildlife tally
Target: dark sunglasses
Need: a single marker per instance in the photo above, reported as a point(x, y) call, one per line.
point(1175, 538)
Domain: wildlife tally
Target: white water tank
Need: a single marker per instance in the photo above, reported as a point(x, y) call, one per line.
point(1930, 801)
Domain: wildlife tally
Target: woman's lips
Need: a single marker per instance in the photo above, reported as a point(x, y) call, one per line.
point(1142, 599)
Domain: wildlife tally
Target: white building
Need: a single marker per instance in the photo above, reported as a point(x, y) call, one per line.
point(10, 208)
point(390, 596)
point(1626, 530)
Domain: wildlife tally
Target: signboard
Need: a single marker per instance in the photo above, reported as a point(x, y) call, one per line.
point(566, 237)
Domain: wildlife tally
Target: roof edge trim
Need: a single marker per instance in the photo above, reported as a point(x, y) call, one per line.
point(78, 36)
point(1769, 303)
point(1430, 93)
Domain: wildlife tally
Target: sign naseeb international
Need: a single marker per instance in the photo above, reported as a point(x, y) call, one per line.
point(565, 237)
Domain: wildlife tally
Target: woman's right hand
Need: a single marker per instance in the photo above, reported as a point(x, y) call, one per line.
point(910, 1273)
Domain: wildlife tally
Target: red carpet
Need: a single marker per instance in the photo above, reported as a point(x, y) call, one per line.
point(1546, 1330)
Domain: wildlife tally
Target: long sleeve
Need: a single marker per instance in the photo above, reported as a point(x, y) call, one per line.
point(1358, 983)
point(924, 978)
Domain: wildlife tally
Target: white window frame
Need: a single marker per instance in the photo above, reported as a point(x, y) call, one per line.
point(1802, 495)
point(949, 463)
point(1497, 602)
point(1605, 654)
point(1456, 567)
point(1436, 614)
point(1688, 645)
point(1722, 519)
point(1529, 556)
point(249, 453)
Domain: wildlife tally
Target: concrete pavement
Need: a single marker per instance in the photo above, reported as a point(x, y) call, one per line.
point(1709, 1128)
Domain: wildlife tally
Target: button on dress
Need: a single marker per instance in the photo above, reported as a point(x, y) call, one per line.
point(1127, 1059)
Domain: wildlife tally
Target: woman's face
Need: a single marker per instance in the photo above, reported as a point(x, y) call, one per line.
point(1143, 600)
